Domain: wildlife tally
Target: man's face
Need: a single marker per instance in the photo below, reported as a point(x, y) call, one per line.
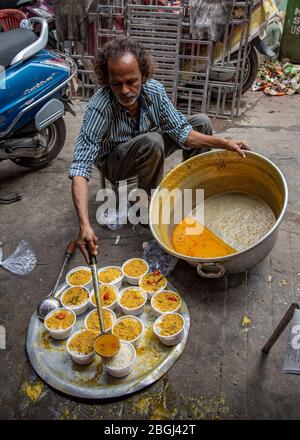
point(125, 79)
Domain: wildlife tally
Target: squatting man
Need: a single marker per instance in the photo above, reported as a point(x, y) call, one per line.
point(130, 126)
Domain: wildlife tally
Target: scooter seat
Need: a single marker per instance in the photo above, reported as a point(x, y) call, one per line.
point(12, 42)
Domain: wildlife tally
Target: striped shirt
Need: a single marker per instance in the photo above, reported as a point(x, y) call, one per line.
point(107, 124)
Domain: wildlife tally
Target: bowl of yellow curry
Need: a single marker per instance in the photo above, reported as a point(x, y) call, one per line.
point(128, 328)
point(79, 276)
point(80, 346)
point(60, 323)
point(153, 282)
point(109, 296)
point(76, 299)
point(165, 301)
point(134, 269)
point(169, 328)
point(111, 275)
point(91, 321)
point(132, 300)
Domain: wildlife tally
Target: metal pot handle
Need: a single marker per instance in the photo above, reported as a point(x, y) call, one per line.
point(210, 270)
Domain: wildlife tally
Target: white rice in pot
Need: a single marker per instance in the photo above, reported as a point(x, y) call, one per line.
point(239, 219)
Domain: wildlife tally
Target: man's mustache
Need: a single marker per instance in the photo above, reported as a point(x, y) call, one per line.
point(129, 96)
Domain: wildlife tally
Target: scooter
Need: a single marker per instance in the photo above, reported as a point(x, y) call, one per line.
point(34, 96)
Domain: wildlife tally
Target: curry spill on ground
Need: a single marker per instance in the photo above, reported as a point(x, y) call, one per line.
point(33, 391)
point(246, 321)
point(210, 408)
point(69, 412)
point(155, 405)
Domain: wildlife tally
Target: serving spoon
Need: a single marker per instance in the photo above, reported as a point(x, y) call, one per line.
point(103, 338)
point(51, 302)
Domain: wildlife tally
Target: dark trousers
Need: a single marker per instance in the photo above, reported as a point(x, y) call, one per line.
point(144, 155)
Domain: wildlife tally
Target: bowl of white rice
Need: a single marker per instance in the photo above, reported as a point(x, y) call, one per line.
point(121, 364)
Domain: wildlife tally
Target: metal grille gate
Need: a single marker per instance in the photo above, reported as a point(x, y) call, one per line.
point(199, 75)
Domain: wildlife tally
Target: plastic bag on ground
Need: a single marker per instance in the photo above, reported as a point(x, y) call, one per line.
point(114, 219)
point(22, 261)
point(158, 259)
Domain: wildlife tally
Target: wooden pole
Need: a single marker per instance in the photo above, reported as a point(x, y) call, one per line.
point(280, 328)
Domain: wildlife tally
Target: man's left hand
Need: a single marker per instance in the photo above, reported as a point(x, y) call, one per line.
point(237, 146)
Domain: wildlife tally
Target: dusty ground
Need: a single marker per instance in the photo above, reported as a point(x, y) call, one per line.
point(221, 373)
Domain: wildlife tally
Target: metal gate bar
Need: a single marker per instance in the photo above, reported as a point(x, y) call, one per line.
point(158, 29)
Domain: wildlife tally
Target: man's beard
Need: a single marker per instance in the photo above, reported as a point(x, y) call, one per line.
point(129, 99)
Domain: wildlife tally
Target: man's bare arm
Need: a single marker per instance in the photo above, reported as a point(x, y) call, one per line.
point(80, 196)
point(200, 140)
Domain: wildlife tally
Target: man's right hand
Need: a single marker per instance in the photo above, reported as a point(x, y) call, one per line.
point(87, 241)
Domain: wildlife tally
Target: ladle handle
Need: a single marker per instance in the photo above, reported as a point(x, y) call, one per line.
point(71, 248)
point(93, 259)
point(93, 266)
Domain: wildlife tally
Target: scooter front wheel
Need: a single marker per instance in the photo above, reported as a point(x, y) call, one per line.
point(55, 134)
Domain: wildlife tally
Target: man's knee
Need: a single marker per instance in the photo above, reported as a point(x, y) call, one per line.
point(153, 144)
point(201, 123)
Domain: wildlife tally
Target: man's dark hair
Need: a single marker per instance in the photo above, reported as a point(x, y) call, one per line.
point(118, 47)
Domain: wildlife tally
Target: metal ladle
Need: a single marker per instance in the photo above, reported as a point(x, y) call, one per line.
point(51, 302)
point(93, 266)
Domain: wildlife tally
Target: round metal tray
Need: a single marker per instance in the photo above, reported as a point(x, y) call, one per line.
point(54, 365)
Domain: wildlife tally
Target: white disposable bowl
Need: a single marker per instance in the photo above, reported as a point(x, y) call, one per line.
point(169, 340)
point(60, 334)
point(118, 281)
point(80, 359)
point(133, 311)
point(82, 308)
point(121, 371)
point(113, 316)
point(75, 269)
point(113, 305)
point(159, 312)
point(135, 341)
point(134, 280)
point(150, 294)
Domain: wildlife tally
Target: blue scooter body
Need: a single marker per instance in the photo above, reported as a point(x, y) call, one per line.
point(26, 87)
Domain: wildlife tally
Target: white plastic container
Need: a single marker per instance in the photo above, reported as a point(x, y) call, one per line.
point(80, 309)
point(113, 318)
point(133, 311)
point(75, 269)
point(59, 334)
point(118, 281)
point(157, 311)
point(134, 280)
point(80, 359)
point(124, 370)
point(135, 341)
point(114, 304)
point(169, 340)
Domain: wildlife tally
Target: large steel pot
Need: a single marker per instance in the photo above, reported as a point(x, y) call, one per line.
point(217, 172)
